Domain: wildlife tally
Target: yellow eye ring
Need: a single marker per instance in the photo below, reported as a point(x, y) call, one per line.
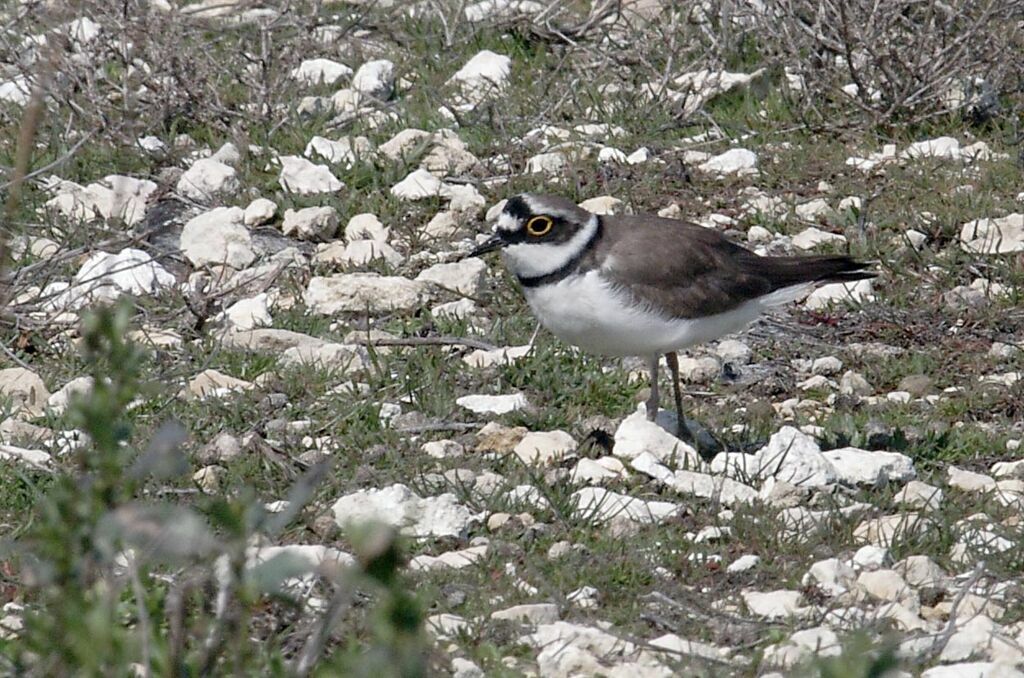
point(539, 226)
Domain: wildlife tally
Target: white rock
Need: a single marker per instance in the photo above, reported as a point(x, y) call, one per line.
point(832, 575)
point(973, 670)
point(346, 151)
point(600, 505)
point(814, 210)
point(698, 370)
point(1008, 469)
point(35, 458)
point(735, 161)
point(227, 154)
point(463, 277)
point(206, 179)
point(544, 447)
point(214, 384)
point(58, 401)
point(871, 557)
point(725, 490)
point(17, 91)
point(941, 147)
point(443, 449)
point(375, 78)
point(500, 356)
point(493, 404)
point(854, 466)
point(887, 585)
point(585, 597)
point(362, 293)
point(993, 236)
point(218, 237)
point(340, 359)
point(890, 529)
point(609, 154)
point(405, 142)
point(259, 211)
point(827, 366)
point(853, 383)
point(969, 481)
point(981, 635)
point(357, 253)
point(536, 613)
point(463, 668)
point(450, 560)
point(247, 314)
point(818, 641)
point(310, 223)
point(366, 226)
point(918, 495)
point(419, 184)
point(604, 204)
point(826, 295)
point(446, 625)
point(774, 604)
point(921, 571)
point(303, 177)
point(546, 163)
point(636, 435)
point(736, 465)
point(485, 73)
point(317, 71)
point(733, 351)
point(795, 457)
point(915, 238)
point(595, 472)
point(398, 506)
point(130, 271)
point(489, 10)
point(114, 197)
point(812, 237)
point(743, 563)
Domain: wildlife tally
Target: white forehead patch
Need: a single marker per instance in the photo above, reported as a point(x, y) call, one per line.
point(507, 224)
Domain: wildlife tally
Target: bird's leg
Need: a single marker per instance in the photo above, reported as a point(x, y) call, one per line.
point(689, 430)
point(682, 431)
point(652, 402)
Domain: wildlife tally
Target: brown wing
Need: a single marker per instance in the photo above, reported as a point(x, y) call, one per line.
point(693, 271)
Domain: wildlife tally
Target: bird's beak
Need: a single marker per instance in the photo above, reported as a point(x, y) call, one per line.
point(493, 243)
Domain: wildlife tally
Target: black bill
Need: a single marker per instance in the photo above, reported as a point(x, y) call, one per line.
point(493, 243)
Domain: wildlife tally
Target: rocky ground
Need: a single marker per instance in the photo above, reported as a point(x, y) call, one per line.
point(286, 194)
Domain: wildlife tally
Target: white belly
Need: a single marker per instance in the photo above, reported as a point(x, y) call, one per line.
point(585, 312)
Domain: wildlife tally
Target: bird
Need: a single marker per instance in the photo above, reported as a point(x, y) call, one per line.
point(646, 286)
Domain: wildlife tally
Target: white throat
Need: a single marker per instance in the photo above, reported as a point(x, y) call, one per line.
point(534, 259)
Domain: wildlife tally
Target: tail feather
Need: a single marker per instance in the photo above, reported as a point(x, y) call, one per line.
point(789, 271)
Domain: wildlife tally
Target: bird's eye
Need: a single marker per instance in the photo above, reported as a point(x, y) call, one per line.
point(539, 226)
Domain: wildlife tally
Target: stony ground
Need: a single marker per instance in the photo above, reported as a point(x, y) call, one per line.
point(286, 194)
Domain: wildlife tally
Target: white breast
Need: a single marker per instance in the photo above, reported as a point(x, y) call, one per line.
point(585, 311)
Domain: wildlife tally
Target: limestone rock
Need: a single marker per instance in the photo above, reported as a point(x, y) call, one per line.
point(218, 237)
point(301, 176)
point(463, 277)
point(397, 505)
point(362, 293)
point(207, 179)
point(311, 223)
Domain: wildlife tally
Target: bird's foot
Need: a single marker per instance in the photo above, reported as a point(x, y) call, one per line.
point(695, 433)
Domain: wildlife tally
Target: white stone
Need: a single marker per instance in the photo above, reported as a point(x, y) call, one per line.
point(317, 71)
point(344, 151)
point(544, 447)
point(218, 237)
point(795, 457)
point(832, 575)
point(993, 236)
point(600, 505)
point(206, 179)
point(780, 604)
point(701, 370)
point(397, 505)
point(227, 154)
point(247, 314)
point(814, 210)
point(725, 490)
point(636, 435)
point(214, 384)
point(826, 295)
point(969, 481)
point(485, 73)
point(871, 557)
point(303, 177)
point(734, 161)
point(366, 226)
point(450, 560)
point(493, 404)
point(443, 449)
point(736, 465)
point(310, 223)
point(609, 154)
point(595, 472)
point(490, 10)
point(941, 147)
point(853, 383)
point(827, 366)
point(35, 458)
point(918, 495)
point(887, 585)
point(363, 292)
point(854, 466)
point(921, 571)
point(733, 351)
point(744, 563)
point(585, 597)
point(59, 400)
point(462, 277)
point(340, 359)
point(890, 529)
point(419, 184)
point(536, 613)
point(604, 204)
point(357, 253)
point(130, 271)
point(812, 237)
point(500, 356)
point(375, 78)
point(818, 641)
point(259, 211)
point(113, 197)
point(1008, 469)
point(17, 91)
point(463, 668)
point(546, 163)
point(973, 670)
